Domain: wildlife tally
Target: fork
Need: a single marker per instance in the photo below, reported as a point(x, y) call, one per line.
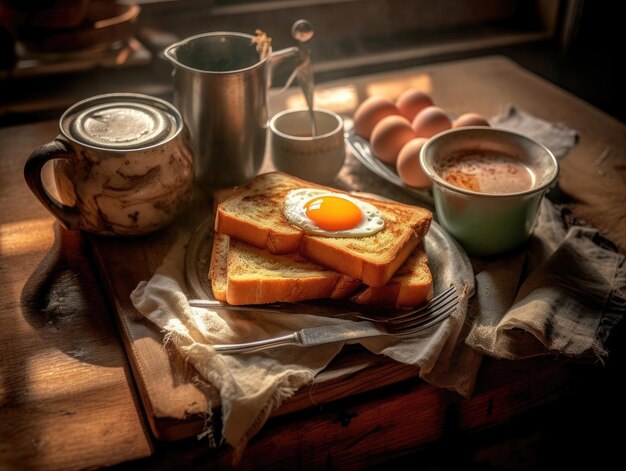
point(441, 301)
point(409, 323)
point(444, 297)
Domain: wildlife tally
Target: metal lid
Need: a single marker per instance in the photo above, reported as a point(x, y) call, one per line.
point(120, 122)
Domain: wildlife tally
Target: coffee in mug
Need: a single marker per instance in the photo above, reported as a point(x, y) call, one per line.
point(487, 185)
point(487, 172)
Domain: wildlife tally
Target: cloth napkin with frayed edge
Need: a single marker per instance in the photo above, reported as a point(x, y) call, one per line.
point(561, 296)
point(251, 386)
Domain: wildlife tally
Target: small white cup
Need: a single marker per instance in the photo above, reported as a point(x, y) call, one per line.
point(294, 151)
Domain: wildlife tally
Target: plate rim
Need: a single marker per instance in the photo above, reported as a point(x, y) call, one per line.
point(376, 167)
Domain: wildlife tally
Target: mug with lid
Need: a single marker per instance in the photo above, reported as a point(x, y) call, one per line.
point(121, 165)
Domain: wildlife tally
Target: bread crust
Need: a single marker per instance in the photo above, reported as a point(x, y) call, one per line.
point(242, 274)
point(260, 237)
point(242, 290)
point(219, 268)
point(412, 284)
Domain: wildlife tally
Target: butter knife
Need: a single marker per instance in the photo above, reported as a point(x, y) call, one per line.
point(308, 337)
point(312, 336)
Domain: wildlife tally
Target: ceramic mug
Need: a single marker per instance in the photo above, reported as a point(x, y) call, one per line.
point(519, 171)
point(121, 166)
point(294, 150)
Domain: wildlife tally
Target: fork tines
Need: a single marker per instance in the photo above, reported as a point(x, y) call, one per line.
point(432, 308)
point(423, 322)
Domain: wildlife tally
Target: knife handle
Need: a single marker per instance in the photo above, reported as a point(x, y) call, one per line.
point(251, 347)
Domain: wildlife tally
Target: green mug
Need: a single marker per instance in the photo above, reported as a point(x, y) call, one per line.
point(498, 219)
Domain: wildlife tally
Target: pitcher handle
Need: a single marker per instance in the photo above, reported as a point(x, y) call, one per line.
point(57, 149)
point(279, 57)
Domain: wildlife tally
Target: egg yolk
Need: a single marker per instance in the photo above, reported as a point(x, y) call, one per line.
point(333, 213)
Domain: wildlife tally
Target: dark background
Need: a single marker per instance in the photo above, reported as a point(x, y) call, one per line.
point(580, 48)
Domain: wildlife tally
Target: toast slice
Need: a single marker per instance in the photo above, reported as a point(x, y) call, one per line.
point(411, 285)
point(254, 214)
point(242, 274)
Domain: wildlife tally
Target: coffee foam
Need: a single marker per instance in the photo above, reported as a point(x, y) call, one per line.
point(484, 171)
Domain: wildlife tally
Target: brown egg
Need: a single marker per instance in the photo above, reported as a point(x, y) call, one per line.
point(408, 164)
point(412, 101)
point(370, 112)
point(389, 136)
point(430, 121)
point(470, 119)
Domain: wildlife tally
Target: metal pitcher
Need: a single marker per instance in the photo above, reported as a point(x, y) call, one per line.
point(221, 82)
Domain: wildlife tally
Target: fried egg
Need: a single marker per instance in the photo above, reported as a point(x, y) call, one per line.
point(330, 214)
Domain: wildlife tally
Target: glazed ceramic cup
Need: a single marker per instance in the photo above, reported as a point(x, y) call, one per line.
point(121, 165)
point(485, 223)
point(294, 151)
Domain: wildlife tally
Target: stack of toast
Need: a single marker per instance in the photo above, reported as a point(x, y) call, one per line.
point(259, 256)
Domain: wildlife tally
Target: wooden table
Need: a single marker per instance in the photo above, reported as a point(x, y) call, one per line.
point(68, 398)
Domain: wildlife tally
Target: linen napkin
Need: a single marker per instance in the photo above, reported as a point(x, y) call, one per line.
point(251, 386)
point(562, 295)
point(555, 136)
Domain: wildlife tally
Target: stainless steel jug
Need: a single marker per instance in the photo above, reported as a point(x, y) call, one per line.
point(220, 87)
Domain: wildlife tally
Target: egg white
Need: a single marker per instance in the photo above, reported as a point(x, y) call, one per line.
point(294, 210)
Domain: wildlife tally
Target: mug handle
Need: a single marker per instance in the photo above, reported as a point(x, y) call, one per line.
point(57, 149)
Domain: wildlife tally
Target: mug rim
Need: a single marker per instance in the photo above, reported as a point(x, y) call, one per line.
point(177, 44)
point(166, 106)
point(278, 132)
point(428, 167)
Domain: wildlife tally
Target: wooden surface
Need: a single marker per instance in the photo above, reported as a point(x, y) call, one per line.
point(67, 391)
point(66, 399)
point(391, 423)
